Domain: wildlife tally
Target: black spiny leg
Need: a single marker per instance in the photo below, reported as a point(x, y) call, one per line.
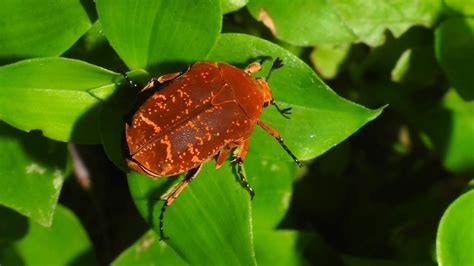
point(162, 216)
point(285, 112)
point(171, 195)
point(242, 178)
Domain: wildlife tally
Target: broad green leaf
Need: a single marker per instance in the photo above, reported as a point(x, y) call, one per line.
point(454, 50)
point(328, 59)
point(290, 247)
point(31, 28)
point(280, 247)
point(307, 22)
point(32, 171)
point(302, 22)
point(464, 7)
point(370, 19)
point(149, 250)
point(320, 118)
point(65, 243)
point(158, 33)
point(272, 181)
point(450, 127)
point(455, 239)
point(232, 5)
point(51, 95)
point(211, 214)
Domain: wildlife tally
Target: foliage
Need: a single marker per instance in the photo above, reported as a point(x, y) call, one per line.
point(375, 198)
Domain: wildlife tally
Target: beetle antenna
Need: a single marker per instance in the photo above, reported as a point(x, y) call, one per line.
point(131, 82)
point(278, 63)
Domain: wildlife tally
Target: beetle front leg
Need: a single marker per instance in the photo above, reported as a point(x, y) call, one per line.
point(277, 136)
point(239, 155)
point(171, 195)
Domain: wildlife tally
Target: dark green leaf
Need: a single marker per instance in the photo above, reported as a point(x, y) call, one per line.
point(51, 95)
point(149, 250)
point(454, 49)
point(455, 240)
point(450, 127)
point(65, 243)
point(32, 171)
point(31, 28)
point(159, 33)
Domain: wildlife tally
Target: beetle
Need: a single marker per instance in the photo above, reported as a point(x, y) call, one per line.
point(185, 119)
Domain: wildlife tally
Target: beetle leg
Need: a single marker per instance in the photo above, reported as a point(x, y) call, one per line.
point(239, 155)
point(285, 112)
point(223, 155)
point(160, 80)
point(253, 67)
point(256, 66)
point(170, 196)
point(278, 63)
point(277, 136)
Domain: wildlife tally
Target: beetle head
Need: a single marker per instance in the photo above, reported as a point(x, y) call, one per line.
point(266, 92)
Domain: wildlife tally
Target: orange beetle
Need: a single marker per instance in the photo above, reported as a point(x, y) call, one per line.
point(187, 118)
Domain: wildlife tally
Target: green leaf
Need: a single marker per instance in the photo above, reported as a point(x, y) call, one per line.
point(232, 5)
point(306, 22)
point(149, 250)
point(51, 95)
point(464, 7)
point(455, 239)
point(320, 118)
point(31, 28)
point(328, 59)
point(65, 243)
point(279, 248)
point(272, 181)
point(454, 50)
point(302, 22)
point(158, 33)
point(211, 214)
point(290, 247)
point(32, 171)
point(450, 127)
point(93, 47)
